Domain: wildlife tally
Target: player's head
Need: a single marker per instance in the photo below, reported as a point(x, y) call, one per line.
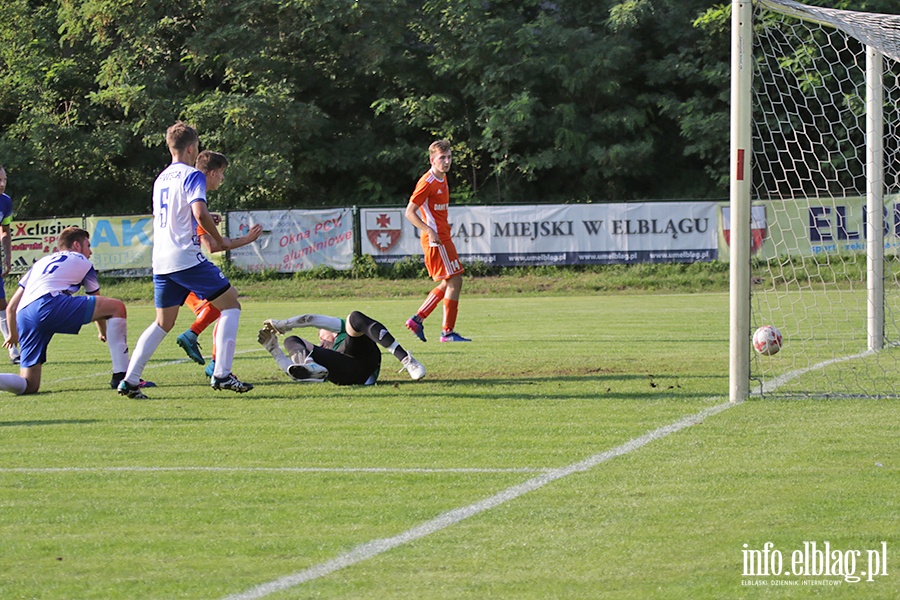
point(212, 164)
point(2, 179)
point(75, 239)
point(182, 139)
point(440, 156)
point(326, 338)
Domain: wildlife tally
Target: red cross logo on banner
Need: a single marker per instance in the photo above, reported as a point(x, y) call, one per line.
point(383, 228)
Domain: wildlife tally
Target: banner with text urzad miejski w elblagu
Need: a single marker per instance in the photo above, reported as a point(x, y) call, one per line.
point(572, 234)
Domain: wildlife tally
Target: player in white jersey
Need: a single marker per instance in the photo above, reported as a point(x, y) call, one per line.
point(43, 305)
point(179, 266)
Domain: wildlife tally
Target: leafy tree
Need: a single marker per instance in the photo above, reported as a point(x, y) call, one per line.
point(324, 102)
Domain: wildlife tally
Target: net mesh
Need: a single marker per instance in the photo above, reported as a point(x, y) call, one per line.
point(809, 188)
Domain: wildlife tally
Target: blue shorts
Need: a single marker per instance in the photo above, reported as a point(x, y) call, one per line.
point(46, 316)
point(205, 280)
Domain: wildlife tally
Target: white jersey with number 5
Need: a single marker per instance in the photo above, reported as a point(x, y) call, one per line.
point(176, 245)
point(62, 272)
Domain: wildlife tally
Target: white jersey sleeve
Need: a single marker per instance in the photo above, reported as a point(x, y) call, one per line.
point(62, 272)
point(176, 245)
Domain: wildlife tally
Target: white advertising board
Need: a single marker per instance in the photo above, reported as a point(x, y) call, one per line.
point(294, 240)
point(557, 234)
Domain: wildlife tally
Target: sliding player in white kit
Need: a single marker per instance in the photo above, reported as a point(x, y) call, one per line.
point(43, 305)
point(179, 266)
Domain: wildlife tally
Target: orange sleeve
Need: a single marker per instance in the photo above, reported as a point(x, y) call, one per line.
point(420, 194)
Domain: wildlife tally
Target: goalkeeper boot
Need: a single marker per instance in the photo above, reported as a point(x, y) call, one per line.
point(308, 371)
point(415, 369)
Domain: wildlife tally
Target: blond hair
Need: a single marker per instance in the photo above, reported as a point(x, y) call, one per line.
point(438, 147)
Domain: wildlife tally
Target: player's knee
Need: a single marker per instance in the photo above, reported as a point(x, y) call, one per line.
point(358, 321)
point(119, 310)
point(108, 308)
point(294, 343)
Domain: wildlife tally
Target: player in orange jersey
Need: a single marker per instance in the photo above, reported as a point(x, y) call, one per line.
point(212, 164)
point(427, 210)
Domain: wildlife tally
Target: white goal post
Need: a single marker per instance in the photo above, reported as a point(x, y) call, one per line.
point(815, 169)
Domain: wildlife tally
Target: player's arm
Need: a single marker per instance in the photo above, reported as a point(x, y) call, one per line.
point(11, 309)
point(211, 246)
point(101, 323)
point(333, 324)
point(412, 215)
point(6, 241)
point(202, 216)
point(101, 328)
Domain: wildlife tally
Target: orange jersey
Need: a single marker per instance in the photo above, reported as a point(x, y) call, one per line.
point(432, 196)
point(200, 230)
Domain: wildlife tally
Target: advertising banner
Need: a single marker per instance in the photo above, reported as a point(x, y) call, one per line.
point(759, 231)
point(815, 226)
point(294, 240)
point(34, 239)
point(123, 245)
point(556, 234)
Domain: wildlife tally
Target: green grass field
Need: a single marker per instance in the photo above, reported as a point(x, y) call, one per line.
point(468, 484)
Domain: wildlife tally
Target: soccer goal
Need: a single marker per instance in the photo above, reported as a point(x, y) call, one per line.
point(815, 200)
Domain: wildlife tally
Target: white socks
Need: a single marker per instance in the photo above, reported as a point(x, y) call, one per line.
point(117, 340)
point(226, 336)
point(11, 383)
point(284, 363)
point(143, 350)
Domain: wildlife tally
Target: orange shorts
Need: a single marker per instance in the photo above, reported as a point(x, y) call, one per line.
point(441, 261)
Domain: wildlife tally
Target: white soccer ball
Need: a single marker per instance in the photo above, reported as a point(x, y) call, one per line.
point(767, 340)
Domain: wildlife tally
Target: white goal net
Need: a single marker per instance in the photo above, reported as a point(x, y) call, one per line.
point(825, 194)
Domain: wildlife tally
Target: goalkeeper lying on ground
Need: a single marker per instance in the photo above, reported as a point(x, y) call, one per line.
point(347, 354)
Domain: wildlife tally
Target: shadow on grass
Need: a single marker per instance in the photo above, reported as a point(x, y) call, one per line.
point(49, 422)
point(552, 387)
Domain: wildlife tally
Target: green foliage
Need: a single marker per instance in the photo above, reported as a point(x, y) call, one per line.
point(481, 269)
point(334, 103)
point(365, 267)
point(234, 273)
point(319, 272)
point(409, 268)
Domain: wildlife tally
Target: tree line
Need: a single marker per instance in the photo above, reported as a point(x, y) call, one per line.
point(334, 102)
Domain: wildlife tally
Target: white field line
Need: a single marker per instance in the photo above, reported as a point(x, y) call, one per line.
point(375, 547)
point(770, 386)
